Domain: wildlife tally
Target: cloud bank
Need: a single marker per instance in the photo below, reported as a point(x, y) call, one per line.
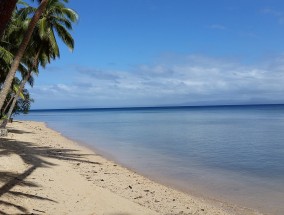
point(175, 80)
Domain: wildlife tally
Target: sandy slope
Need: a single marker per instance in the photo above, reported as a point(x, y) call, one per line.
point(42, 172)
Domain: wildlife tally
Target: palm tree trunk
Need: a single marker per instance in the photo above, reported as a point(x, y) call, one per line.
point(22, 85)
point(7, 105)
point(20, 53)
point(6, 9)
point(24, 81)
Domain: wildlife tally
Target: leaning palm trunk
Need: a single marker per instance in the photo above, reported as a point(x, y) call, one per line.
point(6, 10)
point(7, 105)
point(20, 53)
point(8, 116)
point(21, 87)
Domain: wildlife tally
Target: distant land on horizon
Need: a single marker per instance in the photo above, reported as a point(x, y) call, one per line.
point(158, 107)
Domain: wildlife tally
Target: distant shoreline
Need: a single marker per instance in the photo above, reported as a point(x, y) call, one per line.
point(157, 107)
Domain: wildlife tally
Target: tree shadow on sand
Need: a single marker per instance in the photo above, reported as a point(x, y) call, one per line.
point(16, 131)
point(32, 155)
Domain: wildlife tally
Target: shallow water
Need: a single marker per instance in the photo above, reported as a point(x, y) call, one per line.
point(232, 153)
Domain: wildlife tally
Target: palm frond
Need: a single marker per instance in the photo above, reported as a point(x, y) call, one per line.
point(31, 81)
point(23, 13)
point(6, 55)
point(42, 27)
point(23, 70)
point(65, 36)
point(20, 2)
point(16, 88)
point(71, 14)
point(54, 44)
point(63, 21)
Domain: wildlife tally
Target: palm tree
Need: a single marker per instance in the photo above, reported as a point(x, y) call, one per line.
point(19, 93)
point(15, 90)
point(27, 77)
point(44, 47)
point(21, 50)
point(8, 47)
point(57, 18)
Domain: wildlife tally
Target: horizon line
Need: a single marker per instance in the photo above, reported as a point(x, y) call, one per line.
point(152, 107)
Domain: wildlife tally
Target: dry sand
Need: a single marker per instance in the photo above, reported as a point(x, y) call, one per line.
point(42, 172)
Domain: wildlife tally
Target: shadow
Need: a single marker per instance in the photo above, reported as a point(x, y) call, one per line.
point(15, 131)
point(10, 177)
point(20, 208)
point(17, 181)
point(34, 156)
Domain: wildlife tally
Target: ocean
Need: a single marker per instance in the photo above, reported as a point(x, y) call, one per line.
point(229, 153)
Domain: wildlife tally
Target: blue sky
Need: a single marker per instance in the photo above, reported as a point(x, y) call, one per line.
point(168, 52)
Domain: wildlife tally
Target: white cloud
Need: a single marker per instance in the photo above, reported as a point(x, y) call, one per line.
point(217, 27)
point(193, 80)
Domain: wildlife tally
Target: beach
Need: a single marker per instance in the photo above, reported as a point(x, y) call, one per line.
point(43, 172)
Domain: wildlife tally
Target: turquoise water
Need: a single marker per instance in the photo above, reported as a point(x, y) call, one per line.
point(231, 153)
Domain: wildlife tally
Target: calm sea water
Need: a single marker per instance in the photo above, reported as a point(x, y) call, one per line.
point(231, 153)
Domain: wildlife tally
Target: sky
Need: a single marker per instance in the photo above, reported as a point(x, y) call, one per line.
point(131, 53)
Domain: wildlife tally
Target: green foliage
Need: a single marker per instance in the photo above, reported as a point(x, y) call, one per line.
point(4, 117)
point(23, 102)
point(16, 89)
point(58, 19)
point(41, 50)
point(23, 105)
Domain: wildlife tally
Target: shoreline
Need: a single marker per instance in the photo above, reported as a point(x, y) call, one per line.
point(188, 188)
point(156, 179)
point(127, 192)
point(164, 182)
